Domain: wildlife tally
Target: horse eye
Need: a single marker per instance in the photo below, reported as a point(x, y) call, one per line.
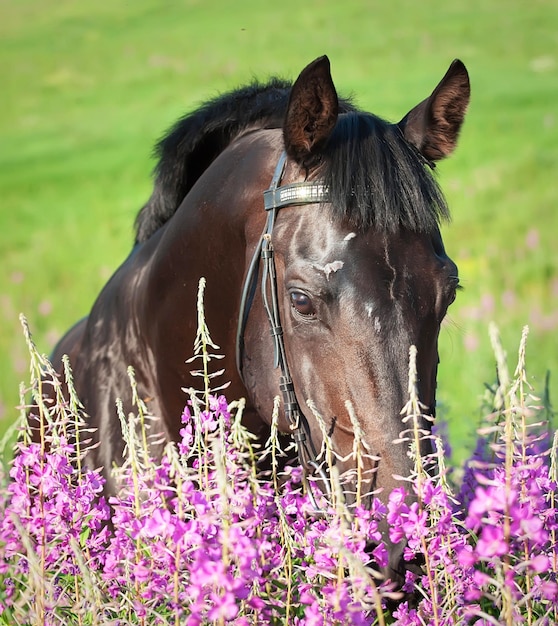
point(454, 280)
point(302, 303)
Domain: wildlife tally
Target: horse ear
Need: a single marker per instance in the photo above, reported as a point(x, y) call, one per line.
point(312, 111)
point(433, 125)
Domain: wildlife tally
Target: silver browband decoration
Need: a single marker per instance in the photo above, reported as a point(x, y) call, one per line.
point(295, 193)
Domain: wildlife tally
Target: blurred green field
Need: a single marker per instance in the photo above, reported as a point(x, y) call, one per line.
point(88, 87)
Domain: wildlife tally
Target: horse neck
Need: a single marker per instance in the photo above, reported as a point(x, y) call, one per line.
point(212, 235)
point(228, 196)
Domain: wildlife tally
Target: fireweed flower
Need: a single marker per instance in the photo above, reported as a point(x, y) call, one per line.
point(197, 537)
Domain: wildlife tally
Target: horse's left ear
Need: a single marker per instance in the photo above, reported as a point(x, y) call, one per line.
point(312, 111)
point(433, 125)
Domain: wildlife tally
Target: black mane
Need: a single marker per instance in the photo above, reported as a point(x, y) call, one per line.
point(376, 179)
point(199, 137)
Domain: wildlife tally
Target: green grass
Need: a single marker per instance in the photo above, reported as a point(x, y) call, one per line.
point(89, 87)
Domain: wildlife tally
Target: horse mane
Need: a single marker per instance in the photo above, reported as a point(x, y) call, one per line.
point(196, 140)
point(375, 177)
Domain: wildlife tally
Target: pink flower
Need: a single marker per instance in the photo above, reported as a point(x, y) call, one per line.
point(466, 556)
point(158, 524)
point(540, 563)
point(224, 607)
point(491, 542)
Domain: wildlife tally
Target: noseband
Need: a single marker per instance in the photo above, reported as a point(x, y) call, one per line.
point(276, 198)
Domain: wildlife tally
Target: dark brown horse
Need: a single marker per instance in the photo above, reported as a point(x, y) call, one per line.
point(352, 260)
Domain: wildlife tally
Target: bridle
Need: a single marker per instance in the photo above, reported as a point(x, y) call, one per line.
point(275, 198)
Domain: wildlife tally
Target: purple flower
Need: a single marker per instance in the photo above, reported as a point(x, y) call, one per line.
point(224, 607)
point(187, 544)
point(158, 524)
point(492, 542)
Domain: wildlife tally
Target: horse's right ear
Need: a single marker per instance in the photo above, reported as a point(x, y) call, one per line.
point(433, 125)
point(312, 111)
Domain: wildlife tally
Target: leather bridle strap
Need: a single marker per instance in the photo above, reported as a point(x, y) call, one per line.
point(294, 194)
point(275, 198)
point(250, 282)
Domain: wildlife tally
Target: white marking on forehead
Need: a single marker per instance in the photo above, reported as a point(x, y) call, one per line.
point(333, 267)
point(377, 325)
point(330, 268)
point(349, 236)
point(369, 308)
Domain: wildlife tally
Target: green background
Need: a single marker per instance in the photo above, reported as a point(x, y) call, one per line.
point(88, 87)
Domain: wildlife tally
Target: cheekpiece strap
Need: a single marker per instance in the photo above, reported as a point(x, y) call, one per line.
point(275, 198)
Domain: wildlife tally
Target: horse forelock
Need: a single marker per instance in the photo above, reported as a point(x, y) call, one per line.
point(376, 179)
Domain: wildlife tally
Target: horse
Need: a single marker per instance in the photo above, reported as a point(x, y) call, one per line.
point(317, 228)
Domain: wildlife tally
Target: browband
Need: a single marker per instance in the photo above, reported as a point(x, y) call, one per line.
point(295, 193)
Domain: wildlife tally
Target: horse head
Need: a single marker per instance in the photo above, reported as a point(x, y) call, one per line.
point(360, 275)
